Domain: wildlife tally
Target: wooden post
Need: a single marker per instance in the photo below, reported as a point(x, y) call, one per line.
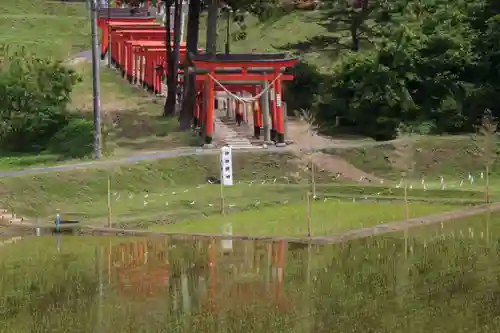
point(210, 110)
point(38, 233)
point(109, 201)
point(110, 258)
point(269, 265)
point(285, 122)
point(222, 210)
point(308, 212)
point(280, 132)
point(272, 98)
point(407, 217)
point(212, 282)
point(487, 194)
point(264, 106)
point(99, 268)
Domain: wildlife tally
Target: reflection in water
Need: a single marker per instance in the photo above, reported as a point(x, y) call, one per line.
point(165, 285)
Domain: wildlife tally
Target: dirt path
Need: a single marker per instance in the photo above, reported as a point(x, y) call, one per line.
point(302, 141)
point(413, 223)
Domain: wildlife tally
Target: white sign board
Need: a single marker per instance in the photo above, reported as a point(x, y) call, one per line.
point(226, 166)
point(278, 100)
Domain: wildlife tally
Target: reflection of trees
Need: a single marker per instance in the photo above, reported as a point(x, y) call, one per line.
point(369, 287)
point(366, 285)
point(35, 294)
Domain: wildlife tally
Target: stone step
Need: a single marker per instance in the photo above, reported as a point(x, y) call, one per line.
point(231, 137)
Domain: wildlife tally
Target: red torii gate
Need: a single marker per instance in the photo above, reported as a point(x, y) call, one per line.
point(155, 65)
point(133, 57)
point(106, 25)
point(121, 35)
point(212, 70)
point(199, 113)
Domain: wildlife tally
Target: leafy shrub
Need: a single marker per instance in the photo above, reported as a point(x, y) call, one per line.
point(76, 139)
point(301, 92)
point(34, 94)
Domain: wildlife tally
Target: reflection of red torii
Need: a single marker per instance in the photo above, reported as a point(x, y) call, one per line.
point(139, 267)
point(250, 290)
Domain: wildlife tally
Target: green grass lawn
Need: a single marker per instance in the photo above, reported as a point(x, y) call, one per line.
point(132, 117)
point(452, 157)
point(291, 219)
point(474, 228)
point(301, 33)
point(177, 204)
point(46, 28)
point(176, 189)
point(42, 194)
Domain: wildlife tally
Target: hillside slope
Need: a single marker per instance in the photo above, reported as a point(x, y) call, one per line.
point(45, 28)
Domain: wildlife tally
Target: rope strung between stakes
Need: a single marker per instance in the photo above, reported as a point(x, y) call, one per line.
point(245, 99)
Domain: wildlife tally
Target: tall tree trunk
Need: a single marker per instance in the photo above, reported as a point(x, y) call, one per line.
point(227, 49)
point(183, 20)
point(168, 49)
point(186, 114)
point(354, 39)
point(173, 58)
point(355, 26)
point(213, 13)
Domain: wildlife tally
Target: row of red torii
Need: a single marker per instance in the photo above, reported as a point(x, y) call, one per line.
point(136, 46)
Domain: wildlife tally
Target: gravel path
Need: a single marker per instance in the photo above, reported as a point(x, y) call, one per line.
point(171, 154)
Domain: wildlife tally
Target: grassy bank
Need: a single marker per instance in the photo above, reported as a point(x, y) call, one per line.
point(73, 190)
point(452, 157)
point(178, 189)
point(291, 219)
point(46, 28)
point(301, 32)
point(132, 117)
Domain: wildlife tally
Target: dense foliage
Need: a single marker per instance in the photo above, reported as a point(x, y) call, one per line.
point(34, 95)
point(426, 66)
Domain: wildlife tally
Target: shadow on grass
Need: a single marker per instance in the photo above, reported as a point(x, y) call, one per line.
point(329, 45)
point(139, 130)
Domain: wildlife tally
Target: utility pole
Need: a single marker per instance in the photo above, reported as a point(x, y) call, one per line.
point(95, 81)
point(228, 29)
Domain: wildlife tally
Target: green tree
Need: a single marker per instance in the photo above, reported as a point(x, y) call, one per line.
point(193, 27)
point(34, 94)
point(417, 73)
point(173, 52)
point(361, 18)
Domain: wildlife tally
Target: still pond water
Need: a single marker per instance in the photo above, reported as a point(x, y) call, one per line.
point(445, 283)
